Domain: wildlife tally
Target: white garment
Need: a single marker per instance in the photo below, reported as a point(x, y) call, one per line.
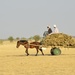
point(56, 30)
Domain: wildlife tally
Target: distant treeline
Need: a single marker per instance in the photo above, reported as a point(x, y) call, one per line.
point(11, 38)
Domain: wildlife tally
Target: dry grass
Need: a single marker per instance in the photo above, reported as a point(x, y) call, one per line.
point(13, 61)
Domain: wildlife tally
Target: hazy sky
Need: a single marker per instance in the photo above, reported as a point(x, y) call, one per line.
point(26, 18)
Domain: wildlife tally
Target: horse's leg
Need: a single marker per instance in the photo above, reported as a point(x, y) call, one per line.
point(41, 51)
point(27, 51)
point(37, 51)
point(26, 46)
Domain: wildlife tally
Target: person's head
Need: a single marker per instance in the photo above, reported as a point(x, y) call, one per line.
point(54, 26)
point(48, 27)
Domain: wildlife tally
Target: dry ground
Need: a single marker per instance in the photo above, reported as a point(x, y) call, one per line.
point(14, 61)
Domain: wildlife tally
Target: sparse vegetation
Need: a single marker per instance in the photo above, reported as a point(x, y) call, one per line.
point(1, 41)
point(11, 39)
point(36, 37)
point(23, 38)
point(17, 38)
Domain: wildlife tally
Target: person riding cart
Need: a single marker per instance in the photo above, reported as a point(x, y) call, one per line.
point(47, 32)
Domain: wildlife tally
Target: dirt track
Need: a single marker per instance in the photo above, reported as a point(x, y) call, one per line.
point(13, 61)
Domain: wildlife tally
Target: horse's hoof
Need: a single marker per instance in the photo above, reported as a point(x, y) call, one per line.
point(42, 54)
point(36, 55)
point(27, 54)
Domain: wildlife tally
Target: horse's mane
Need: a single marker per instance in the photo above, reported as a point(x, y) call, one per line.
point(23, 40)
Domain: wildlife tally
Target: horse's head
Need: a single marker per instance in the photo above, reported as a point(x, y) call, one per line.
point(21, 42)
point(18, 44)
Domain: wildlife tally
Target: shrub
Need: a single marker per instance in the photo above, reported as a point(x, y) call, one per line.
point(11, 39)
point(36, 37)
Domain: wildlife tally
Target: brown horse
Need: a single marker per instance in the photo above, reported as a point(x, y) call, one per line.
point(30, 45)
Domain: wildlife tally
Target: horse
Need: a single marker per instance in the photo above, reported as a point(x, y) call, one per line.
point(27, 45)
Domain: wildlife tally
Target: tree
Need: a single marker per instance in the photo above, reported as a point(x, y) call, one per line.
point(36, 37)
point(11, 39)
point(17, 38)
point(23, 38)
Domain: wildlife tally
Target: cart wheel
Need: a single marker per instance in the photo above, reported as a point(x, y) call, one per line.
point(55, 51)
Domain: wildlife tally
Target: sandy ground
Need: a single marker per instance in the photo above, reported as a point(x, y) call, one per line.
point(14, 61)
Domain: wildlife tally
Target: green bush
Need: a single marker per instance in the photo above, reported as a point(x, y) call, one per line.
point(11, 39)
point(36, 37)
